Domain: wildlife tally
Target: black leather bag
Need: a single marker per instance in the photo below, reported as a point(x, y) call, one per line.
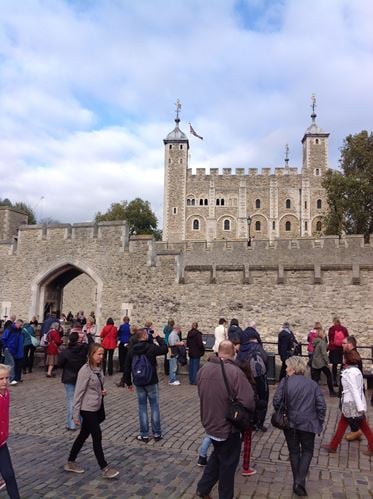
point(237, 414)
point(279, 418)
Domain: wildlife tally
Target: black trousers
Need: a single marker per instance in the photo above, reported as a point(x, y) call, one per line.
point(7, 472)
point(90, 426)
point(109, 361)
point(300, 444)
point(262, 391)
point(122, 352)
point(283, 371)
point(316, 373)
point(221, 467)
point(28, 358)
point(18, 363)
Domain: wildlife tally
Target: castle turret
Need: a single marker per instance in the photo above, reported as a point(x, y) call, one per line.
point(315, 147)
point(175, 173)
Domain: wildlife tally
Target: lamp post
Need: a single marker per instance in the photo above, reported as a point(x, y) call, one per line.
point(249, 226)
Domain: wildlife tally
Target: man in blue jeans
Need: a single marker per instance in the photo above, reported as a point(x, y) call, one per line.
point(174, 341)
point(141, 368)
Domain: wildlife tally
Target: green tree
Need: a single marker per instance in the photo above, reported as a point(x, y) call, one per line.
point(138, 214)
point(350, 193)
point(19, 205)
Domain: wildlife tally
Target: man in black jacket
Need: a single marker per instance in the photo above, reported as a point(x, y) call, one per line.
point(143, 357)
point(287, 346)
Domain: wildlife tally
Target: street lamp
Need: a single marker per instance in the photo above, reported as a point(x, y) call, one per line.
point(249, 220)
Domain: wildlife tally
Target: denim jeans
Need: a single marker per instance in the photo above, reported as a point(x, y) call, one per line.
point(193, 369)
point(151, 393)
point(206, 442)
point(7, 472)
point(9, 361)
point(173, 369)
point(300, 444)
point(70, 389)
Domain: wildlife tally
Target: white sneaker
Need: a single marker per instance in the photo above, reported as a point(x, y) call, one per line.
point(14, 382)
point(174, 383)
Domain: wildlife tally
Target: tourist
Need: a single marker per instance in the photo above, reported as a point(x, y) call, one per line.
point(6, 468)
point(310, 337)
point(89, 330)
point(287, 346)
point(109, 335)
point(306, 410)
point(12, 340)
point(202, 455)
point(166, 332)
point(34, 322)
point(336, 334)
point(234, 332)
point(196, 351)
point(252, 332)
point(174, 343)
point(54, 343)
point(320, 361)
point(71, 360)
point(149, 328)
point(89, 405)
point(29, 347)
point(214, 403)
point(141, 369)
point(220, 334)
point(353, 404)
point(124, 334)
point(80, 317)
point(47, 324)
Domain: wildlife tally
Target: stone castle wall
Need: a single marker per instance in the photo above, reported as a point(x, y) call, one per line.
point(301, 281)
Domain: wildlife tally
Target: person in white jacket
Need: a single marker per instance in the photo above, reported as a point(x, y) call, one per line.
point(354, 405)
point(220, 334)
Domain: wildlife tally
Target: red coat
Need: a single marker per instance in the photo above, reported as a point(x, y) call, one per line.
point(109, 335)
point(54, 341)
point(4, 417)
point(331, 334)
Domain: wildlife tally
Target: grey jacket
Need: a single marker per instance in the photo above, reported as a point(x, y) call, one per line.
point(214, 398)
point(320, 357)
point(88, 391)
point(306, 404)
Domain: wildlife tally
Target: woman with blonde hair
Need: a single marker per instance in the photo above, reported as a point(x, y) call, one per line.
point(89, 405)
point(320, 361)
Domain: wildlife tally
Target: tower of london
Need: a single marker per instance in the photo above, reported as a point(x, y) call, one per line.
point(285, 204)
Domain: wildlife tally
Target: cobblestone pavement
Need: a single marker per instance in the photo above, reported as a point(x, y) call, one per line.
point(39, 445)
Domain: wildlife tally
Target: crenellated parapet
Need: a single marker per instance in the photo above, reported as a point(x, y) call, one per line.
point(241, 172)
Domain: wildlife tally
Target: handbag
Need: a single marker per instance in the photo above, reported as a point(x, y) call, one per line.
point(34, 341)
point(280, 418)
point(237, 414)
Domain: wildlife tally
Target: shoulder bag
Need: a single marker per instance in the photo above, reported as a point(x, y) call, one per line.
point(280, 418)
point(237, 414)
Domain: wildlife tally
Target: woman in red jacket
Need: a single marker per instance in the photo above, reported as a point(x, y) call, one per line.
point(109, 339)
point(54, 341)
point(6, 468)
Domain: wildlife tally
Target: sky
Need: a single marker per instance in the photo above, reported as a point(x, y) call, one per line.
point(88, 91)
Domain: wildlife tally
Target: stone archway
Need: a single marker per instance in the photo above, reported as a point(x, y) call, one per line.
point(48, 286)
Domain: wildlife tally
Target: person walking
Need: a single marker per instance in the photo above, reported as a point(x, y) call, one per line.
point(6, 467)
point(287, 346)
point(306, 410)
point(353, 404)
point(141, 368)
point(71, 360)
point(196, 350)
point(320, 361)
point(109, 334)
point(336, 334)
point(12, 340)
point(214, 404)
point(54, 342)
point(29, 340)
point(124, 334)
point(220, 334)
point(89, 405)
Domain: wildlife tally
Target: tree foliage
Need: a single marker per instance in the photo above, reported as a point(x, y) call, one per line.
point(19, 205)
point(137, 213)
point(350, 194)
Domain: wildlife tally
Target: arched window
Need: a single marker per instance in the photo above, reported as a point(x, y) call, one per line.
point(318, 226)
point(181, 146)
point(201, 202)
point(287, 226)
point(288, 204)
point(316, 141)
point(196, 224)
point(317, 171)
point(257, 225)
point(170, 146)
point(273, 225)
point(218, 202)
point(188, 202)
point(193, 202)
point(181, 160)
point(222, 202)
point(319, 204)
point(257, 204)
point(227, 225)
point(206, 202)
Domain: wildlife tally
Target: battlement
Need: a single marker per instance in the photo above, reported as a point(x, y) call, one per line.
point(242, 172)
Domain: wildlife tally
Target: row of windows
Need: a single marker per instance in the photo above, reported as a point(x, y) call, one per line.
point(258, 225)
point(180, 146)
point(221, 202)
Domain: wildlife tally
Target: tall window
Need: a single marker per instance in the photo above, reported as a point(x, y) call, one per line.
point(181, 146)
point(257, 226)
point(193, 202)
point(288, 204)
point(201, 202)
point(222, 202)
point(218, 202)
point(227, 225)
point(174, 211)
point(318, 226)
point(196, 224)
point(288, 226)
point(306, 226)
point(319, 204)
point(257, 204)
point(273, 225)
point(206, 202)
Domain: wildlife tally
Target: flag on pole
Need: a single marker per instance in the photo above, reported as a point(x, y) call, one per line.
point(193, 132)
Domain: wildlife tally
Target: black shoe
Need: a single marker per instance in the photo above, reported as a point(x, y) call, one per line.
point(158, 438)
point(299, 490)
point(202, 461)
point(204, 496)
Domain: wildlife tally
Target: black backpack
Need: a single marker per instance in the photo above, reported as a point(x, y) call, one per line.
point(142, 370)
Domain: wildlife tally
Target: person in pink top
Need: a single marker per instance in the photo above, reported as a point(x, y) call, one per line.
point(109, 340)
point(6, 468)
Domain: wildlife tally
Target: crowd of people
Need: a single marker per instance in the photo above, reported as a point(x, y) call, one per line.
point(237, 370)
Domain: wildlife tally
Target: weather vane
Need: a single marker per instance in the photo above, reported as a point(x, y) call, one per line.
point(287, 155)
point(178, 107)
point(313, 105)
